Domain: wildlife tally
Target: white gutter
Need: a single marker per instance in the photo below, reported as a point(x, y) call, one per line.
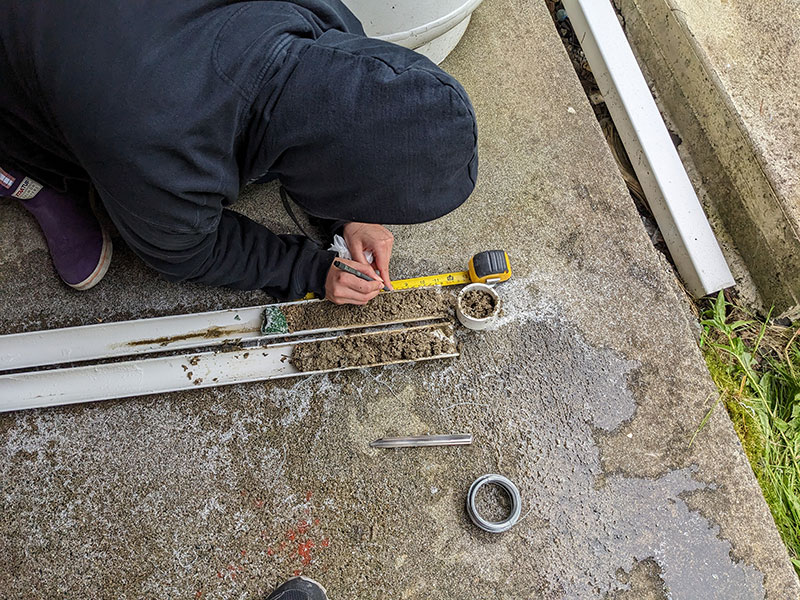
point(669, 192)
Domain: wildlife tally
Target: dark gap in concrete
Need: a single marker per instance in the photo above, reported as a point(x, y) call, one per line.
point(595, 97)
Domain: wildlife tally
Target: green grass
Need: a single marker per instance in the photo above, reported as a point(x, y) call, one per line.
point(756, 366)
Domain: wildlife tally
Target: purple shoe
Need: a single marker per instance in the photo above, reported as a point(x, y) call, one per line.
point(80, 248)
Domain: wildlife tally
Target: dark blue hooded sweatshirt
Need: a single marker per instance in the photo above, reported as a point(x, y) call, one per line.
point(169, 108)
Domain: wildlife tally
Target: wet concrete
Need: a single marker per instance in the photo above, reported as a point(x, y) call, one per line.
point(586, 394)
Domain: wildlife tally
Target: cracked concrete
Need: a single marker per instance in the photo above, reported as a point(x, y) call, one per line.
point(586, 393)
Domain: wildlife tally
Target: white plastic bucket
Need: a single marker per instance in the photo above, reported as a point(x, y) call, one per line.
point(431, 27)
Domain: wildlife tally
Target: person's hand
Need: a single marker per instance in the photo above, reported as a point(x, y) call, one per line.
point(375, 238)
point(343, 288)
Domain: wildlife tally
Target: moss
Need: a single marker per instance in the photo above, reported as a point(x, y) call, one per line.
point(744, 423)
point(749, 362)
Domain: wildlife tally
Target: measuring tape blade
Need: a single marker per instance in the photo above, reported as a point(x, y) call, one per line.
point(459, 278)
point(444, 279)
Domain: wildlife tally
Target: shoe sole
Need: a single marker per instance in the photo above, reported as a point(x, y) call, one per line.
point(101, 268)
point(314, 581)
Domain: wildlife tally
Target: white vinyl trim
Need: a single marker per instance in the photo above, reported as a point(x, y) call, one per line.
point(669, 192)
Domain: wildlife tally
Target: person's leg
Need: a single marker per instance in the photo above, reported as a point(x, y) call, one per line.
point(80, 249)
point(299, 588)
point(265, 178)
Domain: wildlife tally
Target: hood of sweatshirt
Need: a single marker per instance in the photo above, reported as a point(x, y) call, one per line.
point(364, 130)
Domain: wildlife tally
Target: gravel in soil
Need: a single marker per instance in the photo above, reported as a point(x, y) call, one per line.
point(371, 349)
point(478, 304)
point(384, 308)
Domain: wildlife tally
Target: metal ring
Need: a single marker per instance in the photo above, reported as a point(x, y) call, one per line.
point(513, 493)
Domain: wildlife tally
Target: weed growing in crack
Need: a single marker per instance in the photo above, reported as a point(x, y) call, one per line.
point(756, 365)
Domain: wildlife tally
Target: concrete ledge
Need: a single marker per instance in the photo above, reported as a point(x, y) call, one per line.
point(722, 74)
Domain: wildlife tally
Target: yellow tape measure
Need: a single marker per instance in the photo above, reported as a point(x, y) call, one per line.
point(490, 266)
point(431, 280)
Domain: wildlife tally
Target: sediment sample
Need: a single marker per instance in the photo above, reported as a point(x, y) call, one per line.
point(372, 349)
point(478, 304)
point(384, 308)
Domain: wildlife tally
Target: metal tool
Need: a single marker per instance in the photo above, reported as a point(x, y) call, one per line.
point(489, 266)
point(348, 269)
point(458, 439)
point(513, 494)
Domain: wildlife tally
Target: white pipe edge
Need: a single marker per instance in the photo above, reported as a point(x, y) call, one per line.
point(427, 32)
point(666, 185)
point(145, 376)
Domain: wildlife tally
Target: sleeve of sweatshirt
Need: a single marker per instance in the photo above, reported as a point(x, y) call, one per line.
point(237, 252)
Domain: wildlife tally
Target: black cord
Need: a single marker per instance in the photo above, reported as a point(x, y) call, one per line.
point(285, 200)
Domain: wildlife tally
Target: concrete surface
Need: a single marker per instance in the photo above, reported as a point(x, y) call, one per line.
point(586, 395)
point(726, 73)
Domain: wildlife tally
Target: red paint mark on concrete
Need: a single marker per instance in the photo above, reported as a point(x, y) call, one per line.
point(304, 551)
point(230, 572)
point(298, 543)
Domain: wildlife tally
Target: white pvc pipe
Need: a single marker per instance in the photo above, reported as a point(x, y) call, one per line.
point(107, 340)
point(90, 383)
point(669, 192)
point(55, 387)
point(147, 336)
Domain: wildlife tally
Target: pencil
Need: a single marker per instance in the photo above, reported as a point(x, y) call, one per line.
point(356, 272)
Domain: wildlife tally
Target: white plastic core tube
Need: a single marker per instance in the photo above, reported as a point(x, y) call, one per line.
point(469, 321)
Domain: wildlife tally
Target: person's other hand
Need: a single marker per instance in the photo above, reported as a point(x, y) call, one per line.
point(375, 238)
point(343, 288)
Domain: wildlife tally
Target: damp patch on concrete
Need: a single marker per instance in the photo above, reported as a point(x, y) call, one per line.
point(547, 442)
point(223, 492)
